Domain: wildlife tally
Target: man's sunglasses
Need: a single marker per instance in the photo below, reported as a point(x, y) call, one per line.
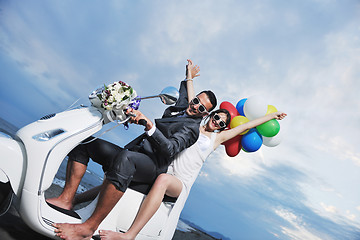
point(196, 101)
point(219, 121)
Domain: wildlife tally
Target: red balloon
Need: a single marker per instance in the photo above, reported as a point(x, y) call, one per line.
point(231, 108)
point(233, 146)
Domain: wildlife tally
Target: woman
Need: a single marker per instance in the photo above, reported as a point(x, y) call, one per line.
point(186, 166)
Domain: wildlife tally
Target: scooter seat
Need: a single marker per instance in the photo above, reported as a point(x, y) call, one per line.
point(145, 188)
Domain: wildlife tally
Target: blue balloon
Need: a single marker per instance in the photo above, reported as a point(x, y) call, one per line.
point(240, 106)
point(251, 141)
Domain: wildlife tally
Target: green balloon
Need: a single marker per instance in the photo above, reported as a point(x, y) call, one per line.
point(269, 129)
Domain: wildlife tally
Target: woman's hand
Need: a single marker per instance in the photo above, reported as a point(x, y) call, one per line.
point(279, 115)
point(191, 70)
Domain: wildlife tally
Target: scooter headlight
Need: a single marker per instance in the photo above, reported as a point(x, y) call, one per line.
point(46, 136)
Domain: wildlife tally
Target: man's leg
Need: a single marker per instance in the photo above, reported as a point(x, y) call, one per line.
point(88, 195)
point(100, 151)
point(128, 165)
point(108, 198)
point(74, 173)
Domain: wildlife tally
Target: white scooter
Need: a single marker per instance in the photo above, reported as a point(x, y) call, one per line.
point(29, 162)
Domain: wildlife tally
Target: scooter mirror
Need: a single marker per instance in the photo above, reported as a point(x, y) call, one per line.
point(168, 95)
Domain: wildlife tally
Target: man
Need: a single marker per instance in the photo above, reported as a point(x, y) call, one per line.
point(141, 160)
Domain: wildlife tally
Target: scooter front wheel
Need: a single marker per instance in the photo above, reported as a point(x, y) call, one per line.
point(6, 197)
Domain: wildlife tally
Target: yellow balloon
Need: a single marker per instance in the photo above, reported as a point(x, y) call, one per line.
point(271, 109)
point(238, 120)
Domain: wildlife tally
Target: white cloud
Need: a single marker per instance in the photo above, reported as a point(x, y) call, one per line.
point(350, 215)
point(50, 69)
point(341, 147)
point(176, 30)
point(299, 229)
point(329, 208)
point(313, 77)
point(337, 215)
point(243, 165)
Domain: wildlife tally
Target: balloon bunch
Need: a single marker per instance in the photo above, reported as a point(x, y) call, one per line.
point(248, 109)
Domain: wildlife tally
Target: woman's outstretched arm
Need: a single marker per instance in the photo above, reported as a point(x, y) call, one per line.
point(228, 134)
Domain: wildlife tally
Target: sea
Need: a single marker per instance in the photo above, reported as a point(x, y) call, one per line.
point(90, 179)
point(185, 229)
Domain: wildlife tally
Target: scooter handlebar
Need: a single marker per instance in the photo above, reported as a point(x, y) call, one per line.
point(142, 122)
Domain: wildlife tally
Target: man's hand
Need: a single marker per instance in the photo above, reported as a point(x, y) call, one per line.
point(138, 116)
point(191, 70)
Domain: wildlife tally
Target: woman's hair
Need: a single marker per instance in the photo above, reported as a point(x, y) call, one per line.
point(228, 116)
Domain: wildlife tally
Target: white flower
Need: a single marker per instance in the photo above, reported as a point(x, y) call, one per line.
point(117, 95)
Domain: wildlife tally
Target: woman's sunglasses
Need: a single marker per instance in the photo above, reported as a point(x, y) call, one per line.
point(196, 101)
point(219, 121)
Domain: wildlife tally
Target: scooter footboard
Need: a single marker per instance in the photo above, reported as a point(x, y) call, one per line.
point(41, 216)
point(123, 214)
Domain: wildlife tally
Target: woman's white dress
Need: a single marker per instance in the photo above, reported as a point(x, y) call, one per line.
point(186, 167)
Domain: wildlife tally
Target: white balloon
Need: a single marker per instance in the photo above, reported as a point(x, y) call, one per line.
point(255, 107)
point(273, 141)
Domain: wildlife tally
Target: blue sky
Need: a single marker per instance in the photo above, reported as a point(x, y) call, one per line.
point(303, 56)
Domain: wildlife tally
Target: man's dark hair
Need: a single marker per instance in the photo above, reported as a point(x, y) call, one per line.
point(211, 97)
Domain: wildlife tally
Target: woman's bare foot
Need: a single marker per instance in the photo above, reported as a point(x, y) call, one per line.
point(69, 231)
point(60, 203)
point(111, 235)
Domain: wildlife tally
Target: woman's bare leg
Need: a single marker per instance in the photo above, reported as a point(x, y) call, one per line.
point(164, 184)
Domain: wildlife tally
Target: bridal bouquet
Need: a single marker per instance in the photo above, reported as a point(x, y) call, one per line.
point(116, 96)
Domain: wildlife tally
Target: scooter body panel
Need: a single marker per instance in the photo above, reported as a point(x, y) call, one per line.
point(41, 216)
point(123, 214)
point(12, 163)
point(47, 142)
point(36, 158)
